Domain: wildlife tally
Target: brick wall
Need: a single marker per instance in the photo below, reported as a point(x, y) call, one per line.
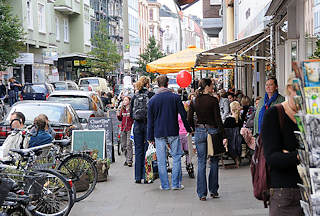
point(210, 11)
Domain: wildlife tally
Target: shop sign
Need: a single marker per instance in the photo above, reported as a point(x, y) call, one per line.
point(76, 63)
point(25, 58)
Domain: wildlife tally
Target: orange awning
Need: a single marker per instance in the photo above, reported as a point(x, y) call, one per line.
point(183, 60)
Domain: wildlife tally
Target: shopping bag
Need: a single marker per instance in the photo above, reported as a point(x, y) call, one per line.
point(131, 133)
point(150, 156)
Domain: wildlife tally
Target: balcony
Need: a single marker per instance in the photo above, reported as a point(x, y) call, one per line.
point(67, 7)
point(212, 26)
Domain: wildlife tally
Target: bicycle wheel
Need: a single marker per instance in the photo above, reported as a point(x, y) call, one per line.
point(50, 193)
point(81, 169)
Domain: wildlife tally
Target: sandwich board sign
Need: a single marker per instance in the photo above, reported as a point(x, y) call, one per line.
point(103, 123)
point(83, 140)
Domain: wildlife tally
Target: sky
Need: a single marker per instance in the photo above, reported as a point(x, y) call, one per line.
point(195, 9)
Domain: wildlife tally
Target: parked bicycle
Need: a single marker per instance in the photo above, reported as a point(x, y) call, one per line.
point(49, 192)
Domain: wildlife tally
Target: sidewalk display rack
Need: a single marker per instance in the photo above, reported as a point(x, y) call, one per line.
point(307, 85)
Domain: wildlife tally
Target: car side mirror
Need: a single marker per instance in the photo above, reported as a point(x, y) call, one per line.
point(83, 120)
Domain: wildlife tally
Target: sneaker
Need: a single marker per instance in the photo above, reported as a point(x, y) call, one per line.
point(125, 164)
point(215, 195)
point(163, 189)
point(180, 188)
point(129, 164)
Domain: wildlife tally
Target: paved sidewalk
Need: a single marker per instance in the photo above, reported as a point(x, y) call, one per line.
point(120, 196)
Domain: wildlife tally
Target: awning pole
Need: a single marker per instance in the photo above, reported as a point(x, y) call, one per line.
point(255, 45)
point(194, 80)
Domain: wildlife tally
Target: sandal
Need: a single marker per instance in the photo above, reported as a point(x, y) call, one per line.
point(203, 198)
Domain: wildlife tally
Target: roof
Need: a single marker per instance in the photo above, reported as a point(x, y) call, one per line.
point(274, 6)
point(34, 102)
point(73, 92)
point(166, 12)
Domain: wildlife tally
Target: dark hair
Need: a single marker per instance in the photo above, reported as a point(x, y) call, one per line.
point(202, 85)
point(274, 80)
point(20, 116)
point(229, 93)
point(162, 81)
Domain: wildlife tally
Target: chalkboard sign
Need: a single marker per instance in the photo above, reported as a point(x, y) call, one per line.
point(115, 125)
point(105, 123)
point(83, 140)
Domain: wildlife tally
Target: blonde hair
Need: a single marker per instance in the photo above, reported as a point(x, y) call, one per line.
point(290, 83)
point(142, 82)
point(245, 101)
point(235, 109)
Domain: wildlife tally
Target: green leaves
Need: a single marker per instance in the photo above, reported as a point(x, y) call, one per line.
point(151, 53)
point(11, 36)
point(104, 57)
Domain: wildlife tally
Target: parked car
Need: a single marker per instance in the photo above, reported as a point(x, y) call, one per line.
point(95, 83)
point(36, 91)
point(61, 116)
point(86, 104)
point(65, 85)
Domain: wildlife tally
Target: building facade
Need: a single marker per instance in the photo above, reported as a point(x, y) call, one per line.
point(154, 21)
point(55, 36)
point(143, 24)
point(212, 20)
point(316, 17)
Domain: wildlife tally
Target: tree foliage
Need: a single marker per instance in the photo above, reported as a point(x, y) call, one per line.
point(316, 53)
point(104, 56)
point(151, 53)
point(11, 36)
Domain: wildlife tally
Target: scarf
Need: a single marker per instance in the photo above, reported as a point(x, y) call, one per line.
point(266, 105)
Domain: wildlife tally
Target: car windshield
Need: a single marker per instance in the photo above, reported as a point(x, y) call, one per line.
point(89, 82)
point(36, 89)
point(59, 86)
point(55, 113)
point(77, 102)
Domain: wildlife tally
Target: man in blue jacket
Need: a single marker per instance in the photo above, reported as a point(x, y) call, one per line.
point(163, 128)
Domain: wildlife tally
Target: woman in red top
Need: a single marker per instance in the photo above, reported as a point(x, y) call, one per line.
point(126, 124)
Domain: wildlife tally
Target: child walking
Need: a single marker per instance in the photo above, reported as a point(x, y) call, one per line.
point(126, 124)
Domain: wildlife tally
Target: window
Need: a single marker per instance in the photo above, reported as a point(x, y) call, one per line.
point(151, 14)
point(29, 15)
point(41, 18)
point(66, 29)
point(57, 29)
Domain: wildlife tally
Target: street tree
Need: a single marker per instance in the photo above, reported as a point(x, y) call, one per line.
point(11, 36)
point(151, 53)
point(104, 56)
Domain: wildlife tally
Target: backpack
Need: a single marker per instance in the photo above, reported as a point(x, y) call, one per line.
point(260, 172)
point(140, 106)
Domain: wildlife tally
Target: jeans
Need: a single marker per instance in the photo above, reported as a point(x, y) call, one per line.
point(176, 153)
point(141, 146)
point(201, 145)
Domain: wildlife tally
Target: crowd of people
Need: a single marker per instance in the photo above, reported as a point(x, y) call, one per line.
point(165, 118)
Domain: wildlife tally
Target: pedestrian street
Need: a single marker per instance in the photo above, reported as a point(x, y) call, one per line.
point(120, 196)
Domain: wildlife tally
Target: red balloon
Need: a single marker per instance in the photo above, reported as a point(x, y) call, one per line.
point(184, 79)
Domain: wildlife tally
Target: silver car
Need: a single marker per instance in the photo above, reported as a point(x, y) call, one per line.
point(86, 104)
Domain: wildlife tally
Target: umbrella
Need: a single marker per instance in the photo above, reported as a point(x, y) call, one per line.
point(183, 60)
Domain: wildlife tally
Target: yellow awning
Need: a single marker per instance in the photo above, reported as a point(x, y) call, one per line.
point(183, 60)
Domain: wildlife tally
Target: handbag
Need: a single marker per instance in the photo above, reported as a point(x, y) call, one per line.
point(215, 145)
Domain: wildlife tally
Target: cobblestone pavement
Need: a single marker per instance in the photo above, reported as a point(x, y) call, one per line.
point(120, 196)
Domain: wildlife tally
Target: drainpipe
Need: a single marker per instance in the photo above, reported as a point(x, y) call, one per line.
point(180, 28)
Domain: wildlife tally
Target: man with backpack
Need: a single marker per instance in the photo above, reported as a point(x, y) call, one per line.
point(139, 111)
point(163, 130)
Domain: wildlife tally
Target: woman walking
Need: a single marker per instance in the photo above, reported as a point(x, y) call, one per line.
point(126, 124)
point(11, 92)
point(232, 126)
point(209, 121)
point(280, 149)
point(138, 111)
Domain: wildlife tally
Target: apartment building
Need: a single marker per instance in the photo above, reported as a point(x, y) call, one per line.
point(57, 38)
point(154, 21)
point(143, 24)
point(212, 20)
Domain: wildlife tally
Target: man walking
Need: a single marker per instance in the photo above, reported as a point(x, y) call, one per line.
point(163, 129)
